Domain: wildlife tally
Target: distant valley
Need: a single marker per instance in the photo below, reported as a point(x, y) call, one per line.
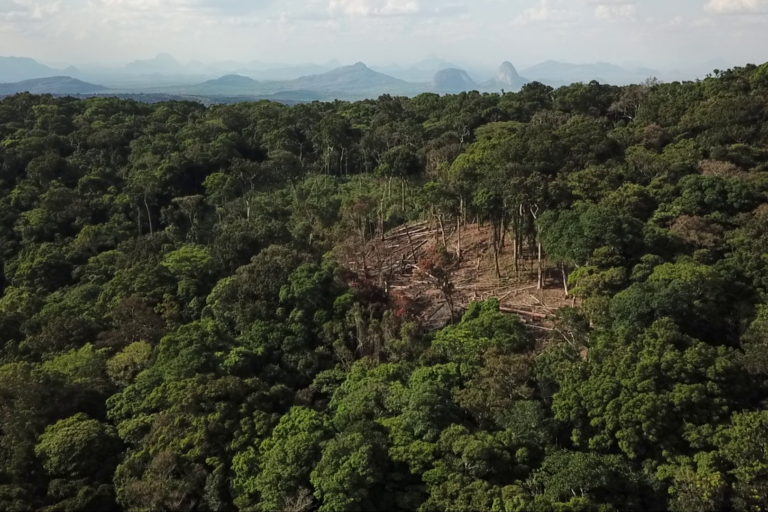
point(164, 76)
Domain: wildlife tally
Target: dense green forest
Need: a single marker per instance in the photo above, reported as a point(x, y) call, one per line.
point(179, 333)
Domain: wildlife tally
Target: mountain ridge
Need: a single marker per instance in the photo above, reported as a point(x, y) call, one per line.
point(232, 80)
point(452, 80)
point(51, 85)
point(17, 69)
point(507, 77)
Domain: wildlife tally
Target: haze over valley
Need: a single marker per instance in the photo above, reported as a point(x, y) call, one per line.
point(230, 80)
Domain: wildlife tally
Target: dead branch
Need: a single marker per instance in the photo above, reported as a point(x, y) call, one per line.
point(526, 313)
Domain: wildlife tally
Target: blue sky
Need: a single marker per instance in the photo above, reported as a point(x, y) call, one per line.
point(649, 32)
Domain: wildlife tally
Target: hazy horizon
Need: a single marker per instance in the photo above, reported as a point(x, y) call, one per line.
point(651, 33)
point(383, 64)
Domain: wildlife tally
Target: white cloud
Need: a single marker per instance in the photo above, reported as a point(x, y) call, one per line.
point(208, 7)
point(394, 8)
point(27, 10)
point(463, 31)
point(735, 6)
point(374, 7)
point(616, 11)
point(447, 10)
point(545, 11)
point(703, 23)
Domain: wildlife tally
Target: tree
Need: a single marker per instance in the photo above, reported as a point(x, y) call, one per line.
point(288, 456)
point(743, 446)
point(352, 470)
point(80, 455)
point(608, 479)
point(653, 395)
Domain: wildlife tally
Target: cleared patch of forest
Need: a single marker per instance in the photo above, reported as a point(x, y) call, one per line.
point(435, 272)
point(544, 300)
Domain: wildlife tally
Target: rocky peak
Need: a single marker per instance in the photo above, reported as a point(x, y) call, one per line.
point(507, 74)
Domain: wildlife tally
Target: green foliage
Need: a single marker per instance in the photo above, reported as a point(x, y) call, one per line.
point(77, 447)
point(653, 395)
point(131, 361)
point(600, 478)
point(180, 328)
point(288, 456)
point(482, 328)
point(351, 468)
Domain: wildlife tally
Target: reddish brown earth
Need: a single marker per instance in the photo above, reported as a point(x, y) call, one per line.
point(403, 264)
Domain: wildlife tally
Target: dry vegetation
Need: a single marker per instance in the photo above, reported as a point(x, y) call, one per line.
point(418, 265)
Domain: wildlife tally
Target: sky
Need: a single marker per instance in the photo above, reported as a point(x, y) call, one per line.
point(642, 32)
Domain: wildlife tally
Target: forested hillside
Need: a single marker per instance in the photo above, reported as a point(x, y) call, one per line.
point(180, 333)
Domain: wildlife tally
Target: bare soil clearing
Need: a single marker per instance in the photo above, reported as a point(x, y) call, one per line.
point(396, 263)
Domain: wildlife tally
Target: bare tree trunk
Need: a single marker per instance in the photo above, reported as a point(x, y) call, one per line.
point(503, 229)
point(449, 300)
point(149, 216)
point(496, 263)
point(442, 230)
point(516, 252)
point(534, 214)
point(495, 244)
point(565, 281)
point(541, 270)
point(458, 232)
point(519, 223)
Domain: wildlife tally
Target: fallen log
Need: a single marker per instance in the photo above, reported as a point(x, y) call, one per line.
point(420, 232)
point(408, 226)
point(501, 299)
point(526, 313)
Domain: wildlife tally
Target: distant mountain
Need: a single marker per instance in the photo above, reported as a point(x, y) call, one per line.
point(287, 72)
point(422, 71)
point(693, 71)
point(71, 71)
point(560, 73)
point(349, 82)
point(357, 78)
point(648, 72)
point(195, 66)
point(232, 81)
point(226, 85)
point(163, 64)
point(434, 63)
point(52, 85)
point(452, 80)
point(257, 64)
point(227, 66)
point(508, 75)
point(164, 75)
point(506, 78)
point(16, 69)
